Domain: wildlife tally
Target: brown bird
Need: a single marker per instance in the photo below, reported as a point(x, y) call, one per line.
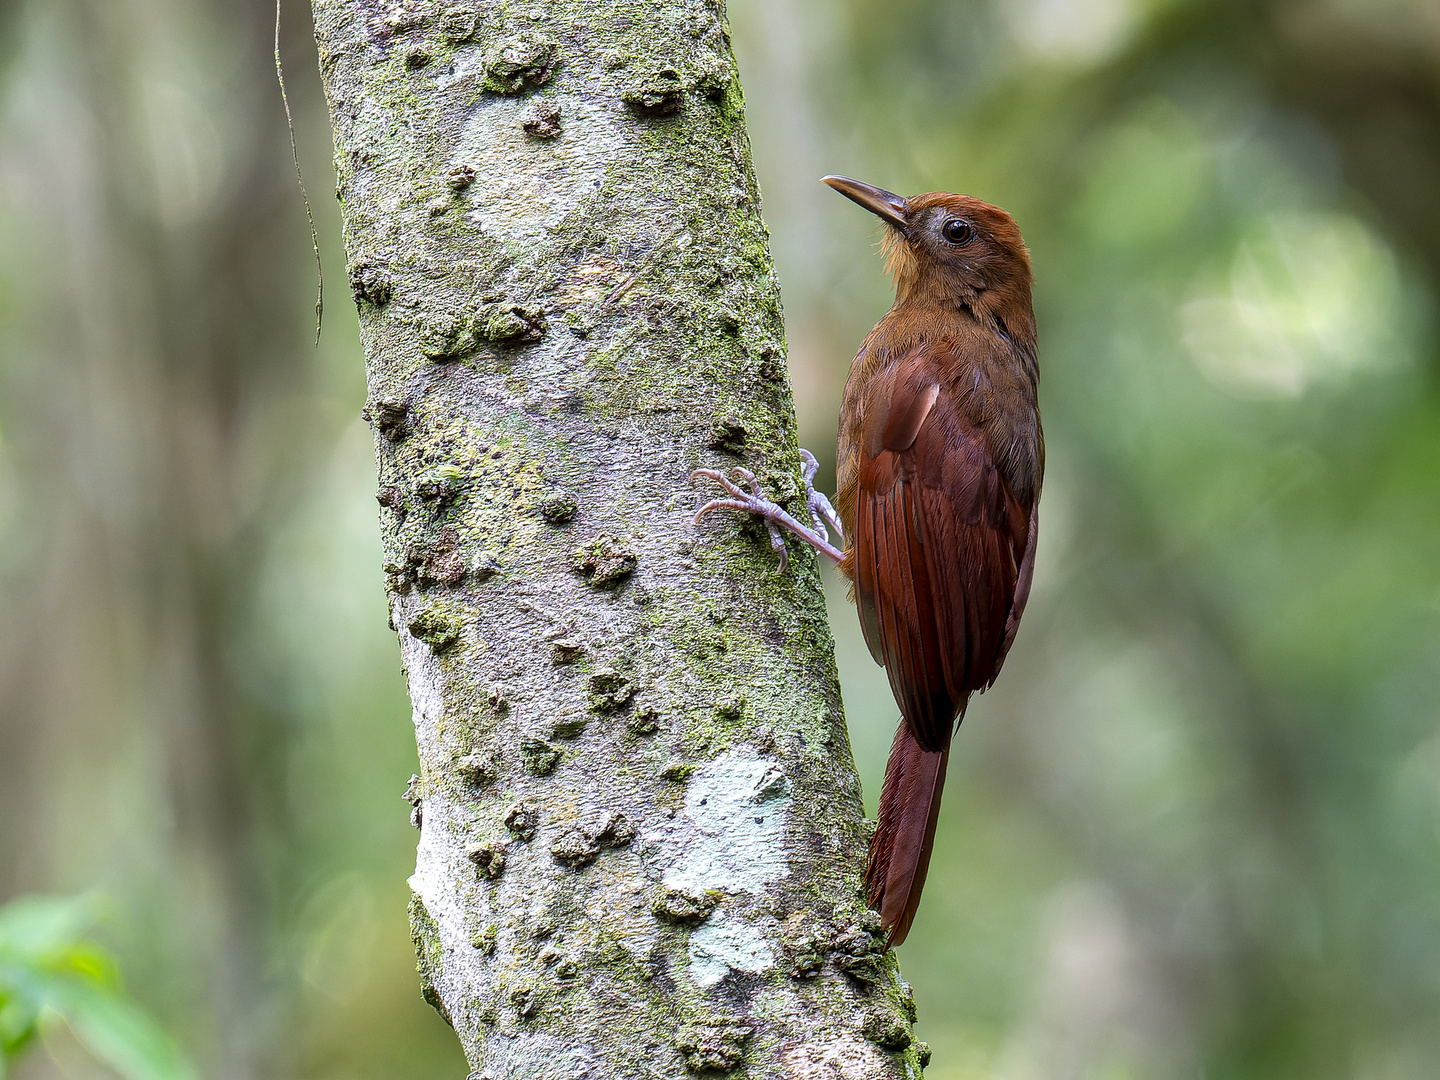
point(939, 462)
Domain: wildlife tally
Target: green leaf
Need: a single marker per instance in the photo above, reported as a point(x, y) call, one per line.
point(41, 929)
point(19, 1015)
point(123, 1036)
point(48, 971)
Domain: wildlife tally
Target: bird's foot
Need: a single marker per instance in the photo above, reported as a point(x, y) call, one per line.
point(822, 513)
point(771, 513)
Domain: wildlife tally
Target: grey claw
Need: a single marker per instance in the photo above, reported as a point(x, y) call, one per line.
point(755, 502)
point(822, 513)
point(720, 478)
point(777, 542)
point(810, 468)
point(748, 478)
point(820, 506)
point(722, 504)
point(817, 520)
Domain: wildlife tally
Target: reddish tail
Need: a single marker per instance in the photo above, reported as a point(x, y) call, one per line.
point(900, 849)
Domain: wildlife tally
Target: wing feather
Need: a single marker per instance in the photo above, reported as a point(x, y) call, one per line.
point(942, 550)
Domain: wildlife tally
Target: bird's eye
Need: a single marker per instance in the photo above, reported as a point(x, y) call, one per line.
point(956, 231)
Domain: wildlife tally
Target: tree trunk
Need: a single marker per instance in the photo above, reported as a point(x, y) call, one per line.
point(641, 828)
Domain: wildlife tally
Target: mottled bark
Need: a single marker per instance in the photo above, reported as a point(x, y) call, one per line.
point(641, 829)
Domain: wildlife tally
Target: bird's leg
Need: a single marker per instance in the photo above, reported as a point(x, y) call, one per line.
point(775, 518)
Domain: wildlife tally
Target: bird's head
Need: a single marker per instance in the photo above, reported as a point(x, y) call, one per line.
point(946, 247)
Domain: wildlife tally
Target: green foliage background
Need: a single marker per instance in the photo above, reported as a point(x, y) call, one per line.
point(1193, 832)
point(50, 973)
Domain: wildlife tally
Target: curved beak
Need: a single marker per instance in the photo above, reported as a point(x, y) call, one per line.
point(885, 204)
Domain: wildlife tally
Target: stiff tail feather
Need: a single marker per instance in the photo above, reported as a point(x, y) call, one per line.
point(900, 850)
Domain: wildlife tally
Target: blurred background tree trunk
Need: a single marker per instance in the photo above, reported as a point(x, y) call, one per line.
point(157, 358)
point(178, 505)
point(641, 827)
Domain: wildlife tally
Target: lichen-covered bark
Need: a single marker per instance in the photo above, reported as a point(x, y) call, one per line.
point(641, 829)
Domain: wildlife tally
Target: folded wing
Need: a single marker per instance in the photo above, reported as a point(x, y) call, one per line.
point(942, 549)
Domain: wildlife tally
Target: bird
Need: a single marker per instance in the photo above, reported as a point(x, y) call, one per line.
point(939, 463)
